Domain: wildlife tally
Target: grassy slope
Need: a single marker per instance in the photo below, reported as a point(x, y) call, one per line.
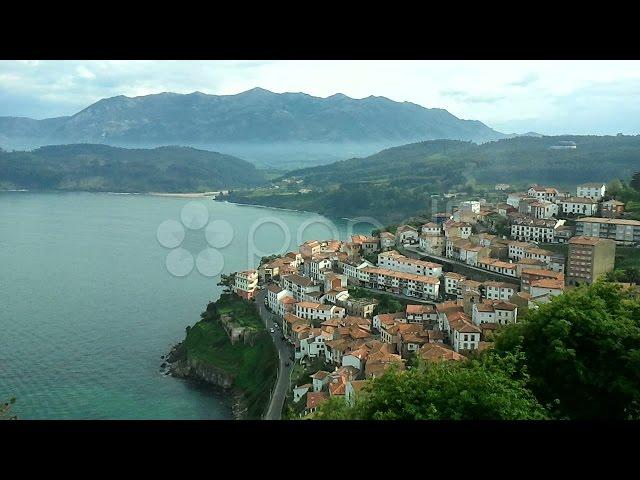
point(254, 367)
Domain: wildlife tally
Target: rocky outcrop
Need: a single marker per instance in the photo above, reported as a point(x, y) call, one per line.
point(202, 371)
point(178, 365)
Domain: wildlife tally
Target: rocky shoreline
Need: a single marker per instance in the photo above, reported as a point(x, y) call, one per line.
point(176, 364)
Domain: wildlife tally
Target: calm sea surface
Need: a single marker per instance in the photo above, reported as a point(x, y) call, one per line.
point(88, 303)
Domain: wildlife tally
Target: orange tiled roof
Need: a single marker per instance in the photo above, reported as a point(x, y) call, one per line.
point(316, 398)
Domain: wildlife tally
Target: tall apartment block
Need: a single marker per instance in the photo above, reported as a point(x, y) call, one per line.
point(589, 258)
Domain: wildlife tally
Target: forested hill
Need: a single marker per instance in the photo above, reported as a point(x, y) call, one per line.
point(105, 168)
point(445, 164)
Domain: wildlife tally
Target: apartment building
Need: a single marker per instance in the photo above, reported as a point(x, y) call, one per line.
point(589, 258)
point(579, 206)
point(529, 229)
point(591, 190)
point(623, 231)
point(393, 260)
point(245, 284)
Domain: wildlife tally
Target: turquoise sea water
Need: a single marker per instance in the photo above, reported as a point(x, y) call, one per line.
point(88, 305)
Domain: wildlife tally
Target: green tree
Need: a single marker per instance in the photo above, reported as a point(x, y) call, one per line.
point(582, 352)
point(487, 388)
point(226, 282)
point(335, 408)
point(5, 410)
point(614, 187)
point(635, 181)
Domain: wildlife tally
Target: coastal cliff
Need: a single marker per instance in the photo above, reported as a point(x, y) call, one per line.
point(229, 349)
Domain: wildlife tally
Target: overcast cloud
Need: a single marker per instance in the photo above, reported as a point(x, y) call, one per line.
point(550, 97)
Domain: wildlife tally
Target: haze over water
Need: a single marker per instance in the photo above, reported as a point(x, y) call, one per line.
point(87, 305)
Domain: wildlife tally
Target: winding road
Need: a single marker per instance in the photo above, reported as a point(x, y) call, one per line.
point(285, 352)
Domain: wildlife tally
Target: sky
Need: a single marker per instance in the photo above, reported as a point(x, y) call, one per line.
point(548, 97)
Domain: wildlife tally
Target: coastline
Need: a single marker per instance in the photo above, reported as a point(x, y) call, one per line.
point(184, 195)
point(240, 369)
point(285, 209)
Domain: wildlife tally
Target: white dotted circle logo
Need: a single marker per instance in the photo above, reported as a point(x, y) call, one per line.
point(170, 233)
point(180, 261)
point(194, 215)
point(219, 233)
point(210, 262)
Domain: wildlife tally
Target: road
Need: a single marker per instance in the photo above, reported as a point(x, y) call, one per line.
point(417, 253)
point(285, 352)
point(398, 295)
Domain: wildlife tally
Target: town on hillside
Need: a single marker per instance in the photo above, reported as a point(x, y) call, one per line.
point(456, 278)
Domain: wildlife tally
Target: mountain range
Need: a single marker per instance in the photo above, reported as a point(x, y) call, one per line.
point(265, 127)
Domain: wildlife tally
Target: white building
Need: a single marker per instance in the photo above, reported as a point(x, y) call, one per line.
point(245, 284)
point(406, 234)
point(543, 193)
point(352, 269)
point(411, 285)
point(393, 260)
point(387, 240)
point(464, 335)
point(452, 283)
point(274, 293)
point(318, 311)
point(431, 229)
point(457, 229)
point(517, 249)
point(543, 209)
point(591, 190)
point(535, 253)
point(499, 290)
point(470, 206)
point(314, 265)
point(285, 303)
point(542, 290)
point(491, 311)
point(300, 286)
point(534, 230)
point(579, 206)
point(432, 244)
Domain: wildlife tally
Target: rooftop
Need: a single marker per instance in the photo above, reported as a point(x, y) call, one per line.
point(615, 221)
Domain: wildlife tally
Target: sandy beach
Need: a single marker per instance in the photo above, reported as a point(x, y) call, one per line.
point(186, 195)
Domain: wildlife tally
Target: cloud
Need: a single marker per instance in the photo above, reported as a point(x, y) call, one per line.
point(484, 98)
point(84, 72)
point(525, 81)
point(469, 98)
point(542, 95)
point(453, 93)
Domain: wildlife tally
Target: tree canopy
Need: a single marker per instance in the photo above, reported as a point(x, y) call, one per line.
point(576, 357)
point(481, 389)
point(582, 351)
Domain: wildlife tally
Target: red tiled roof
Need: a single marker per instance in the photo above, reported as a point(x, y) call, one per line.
point(316, 398)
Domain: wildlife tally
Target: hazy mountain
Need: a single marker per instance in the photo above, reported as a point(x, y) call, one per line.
point(398, 182)
point(255, 117)
point(105, 168)
point(520, 159)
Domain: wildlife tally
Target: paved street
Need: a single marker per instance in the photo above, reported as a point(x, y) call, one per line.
point(285, 352)
point(415, 252)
